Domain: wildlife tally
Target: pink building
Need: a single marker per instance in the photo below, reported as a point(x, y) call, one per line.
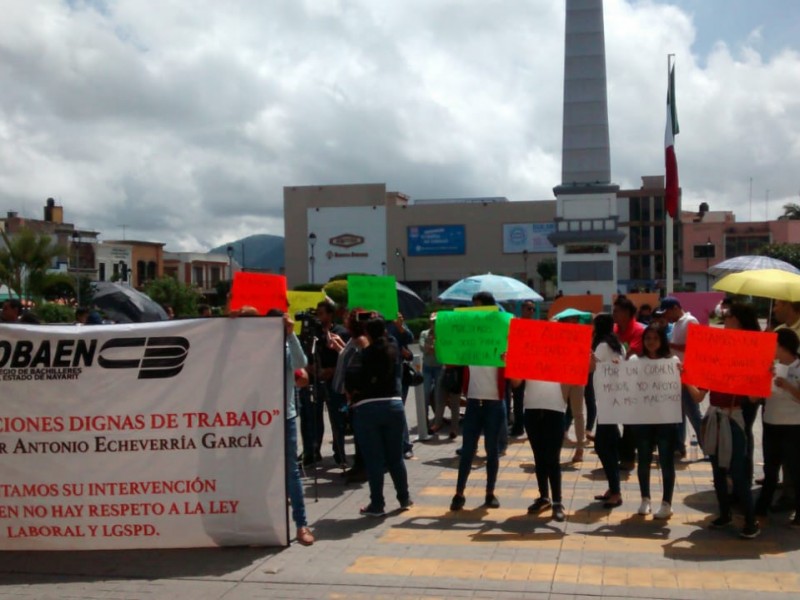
point(709, 237)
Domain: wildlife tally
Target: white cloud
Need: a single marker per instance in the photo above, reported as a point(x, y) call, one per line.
point(185, 120)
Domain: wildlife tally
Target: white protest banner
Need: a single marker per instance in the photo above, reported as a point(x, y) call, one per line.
point(158, 435)
point(638, 392)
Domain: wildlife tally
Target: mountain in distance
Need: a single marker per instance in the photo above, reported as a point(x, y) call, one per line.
point(262, 252)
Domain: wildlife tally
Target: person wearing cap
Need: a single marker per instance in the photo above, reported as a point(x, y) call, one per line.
point(681, 319)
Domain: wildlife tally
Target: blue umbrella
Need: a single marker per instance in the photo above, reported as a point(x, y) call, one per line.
point(504, 289)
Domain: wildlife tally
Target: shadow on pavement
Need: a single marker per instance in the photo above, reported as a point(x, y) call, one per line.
point(44, 567)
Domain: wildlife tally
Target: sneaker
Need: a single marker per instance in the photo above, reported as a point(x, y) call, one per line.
point(558, 512)
point(457, 503)
point(539, 506)
point(372, 511)
point(721, 521)
point(644, 507)
point(750, 531)
point(406, 504)
point(408, 454)
point(665, 512)
point(491, 501)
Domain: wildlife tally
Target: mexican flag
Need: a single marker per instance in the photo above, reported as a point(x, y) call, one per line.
point(671, 192)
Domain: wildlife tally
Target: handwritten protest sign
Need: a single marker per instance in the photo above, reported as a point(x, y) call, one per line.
point(638, 392)
point(370, 292)
point(547, 351)
point(259, 290)
point(475, 338)
point(302, 301)
point(729, 360)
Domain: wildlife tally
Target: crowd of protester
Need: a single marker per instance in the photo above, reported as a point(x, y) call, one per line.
point(355, 373)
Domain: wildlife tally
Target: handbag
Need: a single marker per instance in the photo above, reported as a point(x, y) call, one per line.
point(411, 377)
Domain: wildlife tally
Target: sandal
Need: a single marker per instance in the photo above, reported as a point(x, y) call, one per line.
point(578, 456)
point(604, 497)
point(613, 501)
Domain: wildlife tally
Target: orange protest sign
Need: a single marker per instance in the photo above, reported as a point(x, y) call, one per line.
point(729, 360)
point(259, 290)
point(592, 303)
point(548, 351)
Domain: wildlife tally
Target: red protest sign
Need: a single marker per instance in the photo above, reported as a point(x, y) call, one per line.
point(729, 360)
point(259, 290)
point(548, 351)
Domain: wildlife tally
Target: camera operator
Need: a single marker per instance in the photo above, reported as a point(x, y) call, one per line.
point(373, 385)
point(322, 364)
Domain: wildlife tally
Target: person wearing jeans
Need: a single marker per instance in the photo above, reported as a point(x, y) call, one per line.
point(373, 384)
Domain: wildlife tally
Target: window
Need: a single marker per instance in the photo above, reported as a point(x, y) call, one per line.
point(635, 210)
point(197, 276)
point(658, 208)
point(101, 274)
point(141, 272)
point(151, 270)
point(215, 276)
point(705, 251)
point(646, 210)
point(602, 270)
point(740, 245)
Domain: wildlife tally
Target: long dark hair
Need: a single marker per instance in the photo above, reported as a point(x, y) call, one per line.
point(604, 333)
point(663, 350)
point(746, 315)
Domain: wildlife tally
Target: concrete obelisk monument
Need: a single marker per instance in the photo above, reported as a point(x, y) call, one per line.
point(587, 234)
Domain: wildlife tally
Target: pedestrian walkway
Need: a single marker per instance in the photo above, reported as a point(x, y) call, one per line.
point(429, 552)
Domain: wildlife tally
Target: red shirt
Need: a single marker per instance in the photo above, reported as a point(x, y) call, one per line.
point(631, 337)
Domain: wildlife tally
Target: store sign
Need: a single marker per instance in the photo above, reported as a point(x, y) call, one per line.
point(346, 240)
point(518, 237)
point(436, 240)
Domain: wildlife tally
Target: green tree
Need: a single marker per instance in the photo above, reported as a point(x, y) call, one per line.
point(50, 312)
point(25, 258)
point(548, 269)
point(183, 298)
point(791, 211)
point(789, 253)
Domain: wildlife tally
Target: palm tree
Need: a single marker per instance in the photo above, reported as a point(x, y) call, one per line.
point(27, 255)
point(791, 211)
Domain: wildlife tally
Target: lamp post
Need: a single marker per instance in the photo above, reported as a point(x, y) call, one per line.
point(709, 248)
point(525, 262)
point(399, 255)
point(75, 239)
point(312, 241)
point(383, 267)
point(243, 259)
point(230, 262)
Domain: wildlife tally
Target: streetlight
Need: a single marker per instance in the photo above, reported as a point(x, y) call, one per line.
point(399, 255)
point(525, 261)
point(709, 248)
point(75, 239)
point(243, 260)
point(230, 262)
point(312, 241)
point(383, 267)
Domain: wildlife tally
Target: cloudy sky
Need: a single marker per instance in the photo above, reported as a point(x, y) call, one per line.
point(184, 119)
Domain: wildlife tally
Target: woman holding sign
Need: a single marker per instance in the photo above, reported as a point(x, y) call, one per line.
point(725, 438)
point(607, 348)
point(655, 346)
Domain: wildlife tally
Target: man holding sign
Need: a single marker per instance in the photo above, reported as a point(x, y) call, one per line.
point(485, 391)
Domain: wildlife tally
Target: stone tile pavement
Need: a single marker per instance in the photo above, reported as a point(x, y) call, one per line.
point(429, 553)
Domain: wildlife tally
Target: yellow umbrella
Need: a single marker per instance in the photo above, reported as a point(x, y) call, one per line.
point(764, 283)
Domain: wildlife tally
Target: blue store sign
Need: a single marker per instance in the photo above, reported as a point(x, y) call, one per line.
point(436, 240)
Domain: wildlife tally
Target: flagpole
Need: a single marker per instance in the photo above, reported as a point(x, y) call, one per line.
point(669, 258)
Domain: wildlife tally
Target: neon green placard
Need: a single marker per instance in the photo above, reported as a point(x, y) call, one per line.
point(475, 338)
point(378, 293)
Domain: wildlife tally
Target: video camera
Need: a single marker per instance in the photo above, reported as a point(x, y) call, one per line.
point(310, 328)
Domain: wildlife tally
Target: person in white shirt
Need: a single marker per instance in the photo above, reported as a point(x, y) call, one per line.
point(680, 320)
point(782, 424)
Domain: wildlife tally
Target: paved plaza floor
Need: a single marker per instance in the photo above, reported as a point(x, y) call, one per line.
point(429, 552)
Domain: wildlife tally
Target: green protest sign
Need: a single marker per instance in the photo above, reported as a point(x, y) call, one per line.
point(476, 338)
point(373, 293)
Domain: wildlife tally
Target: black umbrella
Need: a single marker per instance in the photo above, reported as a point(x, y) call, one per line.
point(411, 305)
point(124, 304)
